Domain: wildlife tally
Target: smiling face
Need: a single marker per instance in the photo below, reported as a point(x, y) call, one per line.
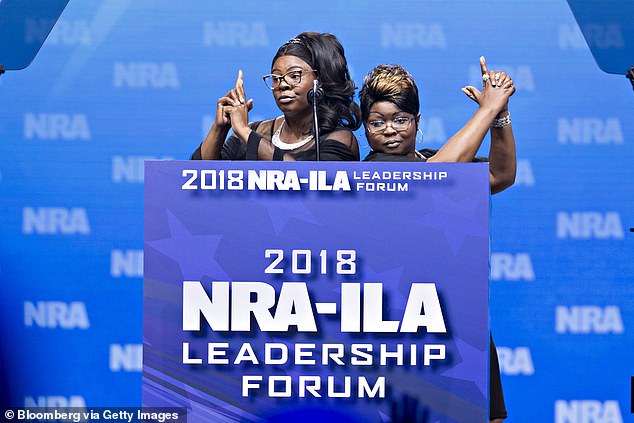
point(391, 141)
point(291, 99)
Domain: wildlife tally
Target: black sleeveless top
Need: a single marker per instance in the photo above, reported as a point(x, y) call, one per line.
point(329, 149)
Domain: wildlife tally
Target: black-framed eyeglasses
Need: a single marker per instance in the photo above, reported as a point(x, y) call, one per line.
point(399, 124)
point(292, 78)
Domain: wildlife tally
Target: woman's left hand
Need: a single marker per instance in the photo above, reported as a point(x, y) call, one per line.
point(497, 87)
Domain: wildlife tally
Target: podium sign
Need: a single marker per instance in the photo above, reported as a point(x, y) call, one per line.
point(301, 292)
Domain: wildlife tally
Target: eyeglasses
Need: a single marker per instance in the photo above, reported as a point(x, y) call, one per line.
point(292, 78)
point(399, 124)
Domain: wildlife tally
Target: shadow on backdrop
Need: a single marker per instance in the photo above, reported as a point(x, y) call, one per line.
point(604, 25)
point(24, 26)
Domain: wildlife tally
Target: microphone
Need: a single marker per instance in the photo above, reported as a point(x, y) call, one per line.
point(312, 97)
point(315, 95)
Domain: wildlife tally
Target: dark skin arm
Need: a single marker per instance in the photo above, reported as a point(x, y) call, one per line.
point(497, 87)
point(502, 154)
point(212, 144)
point(463, 145)
point(239, 117)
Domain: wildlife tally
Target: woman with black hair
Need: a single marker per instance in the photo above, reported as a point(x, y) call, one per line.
point(307, 57)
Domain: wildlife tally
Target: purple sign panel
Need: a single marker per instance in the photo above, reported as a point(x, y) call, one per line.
point(313, 292)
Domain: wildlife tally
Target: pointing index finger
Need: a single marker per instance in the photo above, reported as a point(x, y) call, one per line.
point(240, 86)
point(483, 65)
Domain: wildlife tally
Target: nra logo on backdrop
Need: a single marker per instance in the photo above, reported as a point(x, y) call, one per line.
point(65, 32)
point(127, 357)
point(515, 361)
point(591, 130)
point(588, 319)
point(589, 225)
point(522, 75)
point(413, 35)
point(56, 314)
point(54, 126)
point(512, 267)
point(524, 175)
point(131, 168)
point(126, 263)
point(604, 36)
point(570, 37)
point(235, 34)
point(55, 221)
point(54, 401)
point(145, 75)
point(587, 411)
point(599, 36)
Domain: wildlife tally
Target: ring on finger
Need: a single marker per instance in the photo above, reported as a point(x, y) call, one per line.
point(485, 77)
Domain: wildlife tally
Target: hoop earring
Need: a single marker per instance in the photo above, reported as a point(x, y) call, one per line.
point(422, 137)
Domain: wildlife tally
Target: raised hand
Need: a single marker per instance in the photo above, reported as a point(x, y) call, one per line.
point(222, 114)
point(226, 104)
point(238, 111)
point(497, 87)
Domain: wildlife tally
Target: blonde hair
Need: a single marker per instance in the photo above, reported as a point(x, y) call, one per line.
point(389, 83)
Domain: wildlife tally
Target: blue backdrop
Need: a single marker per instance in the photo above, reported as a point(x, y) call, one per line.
point(119, 81)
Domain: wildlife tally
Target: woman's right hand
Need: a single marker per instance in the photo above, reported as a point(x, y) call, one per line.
point(225, 104)
point(497, 87)
point(239, 110)
point(211, 147)
point(223, 119)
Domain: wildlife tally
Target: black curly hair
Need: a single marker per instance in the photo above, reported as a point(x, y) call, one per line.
point(324, 53)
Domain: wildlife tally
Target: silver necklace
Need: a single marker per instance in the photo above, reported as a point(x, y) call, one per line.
point(286, 146)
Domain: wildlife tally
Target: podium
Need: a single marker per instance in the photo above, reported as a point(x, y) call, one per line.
point(317, 291)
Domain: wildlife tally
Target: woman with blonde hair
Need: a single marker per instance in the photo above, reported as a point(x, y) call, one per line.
point(390, 111)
